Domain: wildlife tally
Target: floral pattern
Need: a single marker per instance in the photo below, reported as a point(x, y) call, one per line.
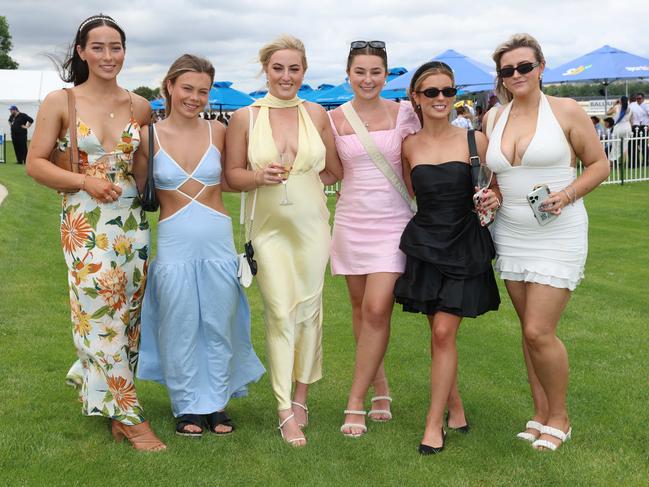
point(106, 248)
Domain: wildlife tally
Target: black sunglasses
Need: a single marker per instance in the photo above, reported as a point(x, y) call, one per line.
point(448, 92)
point(523, 68)
point(250, 253)
point(364, 44)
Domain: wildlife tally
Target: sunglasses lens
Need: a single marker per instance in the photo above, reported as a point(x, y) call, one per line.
point(377, 44)
point(358, 44)
point(431, 92)
point(525, 68)
point(507, 72)
point(449, 92)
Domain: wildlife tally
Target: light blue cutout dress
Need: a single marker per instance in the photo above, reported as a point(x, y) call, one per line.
point(195, 316)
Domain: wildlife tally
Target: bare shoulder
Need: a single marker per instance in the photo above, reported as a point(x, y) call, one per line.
point(314, 109)
point(56, 100)
point(392, 106)
point(239, 118)
point(564, 105)
point(217, 127)
point(141, 109)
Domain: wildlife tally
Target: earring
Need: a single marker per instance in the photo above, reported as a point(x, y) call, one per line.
point(418, 107)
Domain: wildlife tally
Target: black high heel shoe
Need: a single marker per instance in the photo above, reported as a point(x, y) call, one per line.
point(460, 429)
point(432, 450)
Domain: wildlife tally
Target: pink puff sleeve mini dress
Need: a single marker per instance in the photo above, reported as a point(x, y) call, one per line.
point(370, 214)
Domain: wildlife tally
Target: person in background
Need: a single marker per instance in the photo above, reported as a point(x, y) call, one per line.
point(463, 119)
point(621, 128)
point(19, 123)
point(477, 121)
point(598, 126)
point(640, 125)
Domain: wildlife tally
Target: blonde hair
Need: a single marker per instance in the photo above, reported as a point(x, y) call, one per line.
point(284, 41)
point(424, 71)
point(187, 63)
point(514, 42)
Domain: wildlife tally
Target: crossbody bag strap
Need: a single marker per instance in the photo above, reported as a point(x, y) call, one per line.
point(474, 158)
point(149, 174)
point(376, 155)
point(242, 207)
point(72, 131)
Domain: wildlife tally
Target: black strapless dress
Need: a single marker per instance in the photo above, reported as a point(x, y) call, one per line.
point(448, 253)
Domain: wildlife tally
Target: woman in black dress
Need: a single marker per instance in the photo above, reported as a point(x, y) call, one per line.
point(448, 268)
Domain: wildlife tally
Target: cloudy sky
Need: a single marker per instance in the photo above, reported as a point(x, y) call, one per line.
point(229, 33)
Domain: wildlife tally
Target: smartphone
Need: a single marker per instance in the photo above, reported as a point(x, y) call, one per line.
point(536, 198)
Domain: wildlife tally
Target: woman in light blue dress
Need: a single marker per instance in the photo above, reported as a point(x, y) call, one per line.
point(195, 316)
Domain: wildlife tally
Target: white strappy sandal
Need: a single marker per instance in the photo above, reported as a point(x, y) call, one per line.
point(533, 425)
point(556, 433)
point(353, 425)
point(292, 441)
point(306, 410)
point(380, 411)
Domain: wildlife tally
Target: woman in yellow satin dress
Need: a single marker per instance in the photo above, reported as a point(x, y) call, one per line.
point(291, 241)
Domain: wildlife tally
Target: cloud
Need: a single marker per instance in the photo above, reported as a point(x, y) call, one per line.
point(231, 33)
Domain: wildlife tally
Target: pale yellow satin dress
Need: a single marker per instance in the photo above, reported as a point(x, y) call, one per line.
point(292, 249)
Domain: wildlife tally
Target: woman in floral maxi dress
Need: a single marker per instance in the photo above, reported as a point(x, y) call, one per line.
point(104, 232)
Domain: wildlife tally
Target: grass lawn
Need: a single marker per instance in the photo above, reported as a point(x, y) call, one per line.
point(45, 440)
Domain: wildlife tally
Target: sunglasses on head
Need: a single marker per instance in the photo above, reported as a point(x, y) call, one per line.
point(364, 44)
point(448, 92)
point(523, 68)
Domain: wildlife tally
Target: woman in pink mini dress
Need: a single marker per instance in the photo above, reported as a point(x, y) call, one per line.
point(369, 220)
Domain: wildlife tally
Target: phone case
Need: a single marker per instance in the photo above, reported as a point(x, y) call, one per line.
point(535, 199)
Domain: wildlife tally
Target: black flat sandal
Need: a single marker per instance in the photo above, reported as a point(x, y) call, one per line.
point(217, 418)
point(460, 429)
point(186, 420)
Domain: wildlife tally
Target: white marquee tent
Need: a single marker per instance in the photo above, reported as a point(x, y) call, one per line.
point(26, 89)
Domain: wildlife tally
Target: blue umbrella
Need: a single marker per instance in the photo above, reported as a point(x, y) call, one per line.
point(606, 64)
point(468, 73)
point(157, 104)
point(225, 98)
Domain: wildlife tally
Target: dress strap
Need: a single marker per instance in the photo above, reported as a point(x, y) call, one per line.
point(130, 97)
point(209, 129)
point(155, 132)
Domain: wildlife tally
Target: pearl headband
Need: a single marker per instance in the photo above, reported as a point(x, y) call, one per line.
point(97, 17)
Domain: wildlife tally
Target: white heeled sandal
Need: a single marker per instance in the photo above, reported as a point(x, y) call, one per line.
point(353, 425)
point(380, 411)
point(554, 432)
point(306, 410)
point(532, 425)
point(292, 441)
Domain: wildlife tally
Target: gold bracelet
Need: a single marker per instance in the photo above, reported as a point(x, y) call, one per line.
point(574, 198)
point(567, 196)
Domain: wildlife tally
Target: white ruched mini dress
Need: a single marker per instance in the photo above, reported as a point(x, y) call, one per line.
point(554, 254)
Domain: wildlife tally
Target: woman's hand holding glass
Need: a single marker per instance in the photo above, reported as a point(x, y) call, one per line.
point(488, 200)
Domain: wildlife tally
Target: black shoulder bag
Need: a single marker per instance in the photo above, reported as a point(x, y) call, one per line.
point(148, 197)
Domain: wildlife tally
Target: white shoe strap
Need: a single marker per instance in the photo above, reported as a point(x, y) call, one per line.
point(352, 411)
point(534, 425)
point(545, 444)
point(303, 406)
point(381, 398)
point(288, 418)
point(557, 433)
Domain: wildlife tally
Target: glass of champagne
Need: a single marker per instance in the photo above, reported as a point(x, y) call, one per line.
point(484, 177)
point(287, 162)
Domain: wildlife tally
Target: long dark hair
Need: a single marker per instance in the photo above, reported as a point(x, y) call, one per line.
point(624, 105)
point(74, 69)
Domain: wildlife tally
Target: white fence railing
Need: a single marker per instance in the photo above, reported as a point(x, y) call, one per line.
point(3, 147)
point(629, 157)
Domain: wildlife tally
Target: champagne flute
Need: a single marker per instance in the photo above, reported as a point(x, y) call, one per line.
point(287, 162)
point(484, 176)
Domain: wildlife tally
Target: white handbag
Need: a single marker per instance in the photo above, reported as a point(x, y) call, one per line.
point(247, 266)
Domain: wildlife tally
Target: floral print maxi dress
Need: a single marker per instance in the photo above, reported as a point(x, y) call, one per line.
point(106, 249)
